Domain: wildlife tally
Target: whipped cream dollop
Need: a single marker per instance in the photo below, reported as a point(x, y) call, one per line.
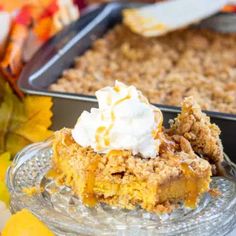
point(124, 121)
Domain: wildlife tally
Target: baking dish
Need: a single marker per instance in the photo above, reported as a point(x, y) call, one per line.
point(59, 53)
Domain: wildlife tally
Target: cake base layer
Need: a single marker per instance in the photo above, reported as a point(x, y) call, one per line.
point(121, 179)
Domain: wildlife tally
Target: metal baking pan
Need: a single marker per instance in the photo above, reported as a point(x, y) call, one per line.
point(58, 54)
point(222, 22)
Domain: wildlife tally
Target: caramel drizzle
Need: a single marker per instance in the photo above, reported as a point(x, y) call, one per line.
point(116, 89)
point(102, 131)
point(89, 197)
point(166, 144)
point(191, 185)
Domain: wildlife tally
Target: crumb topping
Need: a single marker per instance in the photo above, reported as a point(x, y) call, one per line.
point(190, 62)
point(202, 135)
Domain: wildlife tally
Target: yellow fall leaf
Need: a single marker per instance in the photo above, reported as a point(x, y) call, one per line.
point(23, 122)
point(6, 111)
point(15, 143)
point(24, 223)
point(38, 118)
point(4, 194)
point(4, 164)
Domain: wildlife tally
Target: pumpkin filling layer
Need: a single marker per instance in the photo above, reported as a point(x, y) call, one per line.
point(124, 180)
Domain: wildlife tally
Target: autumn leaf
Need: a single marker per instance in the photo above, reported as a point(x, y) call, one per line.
point(4, 194)
point(43, 28)
point(6, 110)
point(4, 164)
point(23, 121)
point(34, 126)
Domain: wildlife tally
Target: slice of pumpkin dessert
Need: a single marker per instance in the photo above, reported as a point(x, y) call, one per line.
point(120, 154)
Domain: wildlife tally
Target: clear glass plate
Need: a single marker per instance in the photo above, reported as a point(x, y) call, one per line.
point(67, 216)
